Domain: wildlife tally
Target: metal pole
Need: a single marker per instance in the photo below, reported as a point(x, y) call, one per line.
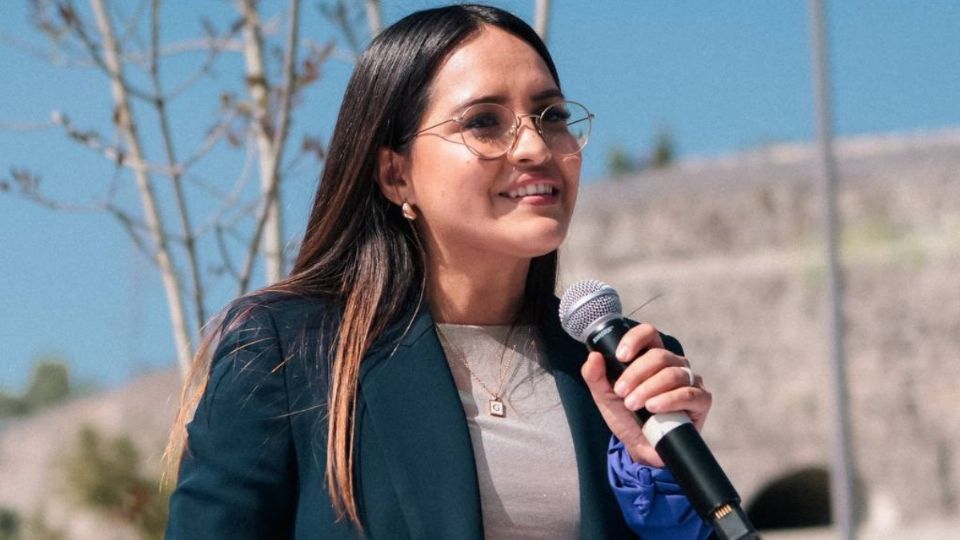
point(841, 481)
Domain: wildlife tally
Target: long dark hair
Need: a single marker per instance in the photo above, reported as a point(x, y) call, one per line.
point(357, 247)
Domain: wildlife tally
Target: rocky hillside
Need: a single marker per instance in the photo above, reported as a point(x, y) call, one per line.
point(729, 255)
point(33, 453)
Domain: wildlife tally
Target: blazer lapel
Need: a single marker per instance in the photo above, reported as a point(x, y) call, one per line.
point(410, 397)
point(600, 515)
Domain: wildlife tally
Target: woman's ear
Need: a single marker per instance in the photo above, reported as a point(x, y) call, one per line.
point(391, 169)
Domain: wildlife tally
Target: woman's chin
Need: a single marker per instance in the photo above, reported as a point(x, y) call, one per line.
point(542, 241)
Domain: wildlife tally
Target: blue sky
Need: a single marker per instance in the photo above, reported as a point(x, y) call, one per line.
point(721, 76)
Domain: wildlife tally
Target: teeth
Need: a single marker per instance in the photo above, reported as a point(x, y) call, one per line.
point(536, 189)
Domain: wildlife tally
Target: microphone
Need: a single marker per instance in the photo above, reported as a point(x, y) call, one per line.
point(590, 311)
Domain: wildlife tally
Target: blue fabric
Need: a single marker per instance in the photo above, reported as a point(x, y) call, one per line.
point(650, 499)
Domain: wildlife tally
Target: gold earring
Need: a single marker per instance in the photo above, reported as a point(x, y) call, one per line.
point(408, 211)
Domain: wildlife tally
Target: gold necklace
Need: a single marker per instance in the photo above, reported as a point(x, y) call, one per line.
point(495, 406)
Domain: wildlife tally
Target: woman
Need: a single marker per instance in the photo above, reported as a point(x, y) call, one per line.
point(410, 379)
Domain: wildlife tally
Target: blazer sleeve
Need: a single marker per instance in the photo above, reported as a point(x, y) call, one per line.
point(651, 501)
point(237, 475)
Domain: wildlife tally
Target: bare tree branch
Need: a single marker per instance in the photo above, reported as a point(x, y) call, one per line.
point(128, 129)
point(129, 226)
point(273, 224)
point(266, 136)
point(189, 241)
point(57, 57)
point(119, 43)
point(309, 146)
point(230, 200)
point(27, 185)
point(239, 214)
point(75, 23)
point(225, 253)
point(131, 231)
point(26, 126)
point(339, 15)
point(91, 140)
point(207, 43)
point(226, 44)
point(130, 30)
point(337, 53)
point(215, 135)
point(215, 47)
point(373, 17)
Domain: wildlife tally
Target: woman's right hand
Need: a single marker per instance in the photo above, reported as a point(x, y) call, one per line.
point(655, 379)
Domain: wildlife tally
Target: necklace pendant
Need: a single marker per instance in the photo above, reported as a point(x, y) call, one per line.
point(497, 408)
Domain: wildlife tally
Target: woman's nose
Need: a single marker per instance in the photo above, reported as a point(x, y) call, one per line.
point(529, 147)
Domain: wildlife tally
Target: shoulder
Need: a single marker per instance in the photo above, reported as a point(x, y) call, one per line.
point(277, 319)
point(235, 474)
point(284, 310)
point(258, 335)
point(254, 367)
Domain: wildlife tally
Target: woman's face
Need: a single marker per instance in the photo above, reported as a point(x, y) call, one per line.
point(468, 204)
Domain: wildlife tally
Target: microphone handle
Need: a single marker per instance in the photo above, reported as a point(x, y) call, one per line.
point(682, 449)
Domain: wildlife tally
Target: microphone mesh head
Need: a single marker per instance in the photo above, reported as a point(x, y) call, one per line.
point(586, 302)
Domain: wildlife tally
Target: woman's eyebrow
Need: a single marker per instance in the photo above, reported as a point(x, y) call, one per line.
point(502, 99)
point(499, 99)
point(547, 94)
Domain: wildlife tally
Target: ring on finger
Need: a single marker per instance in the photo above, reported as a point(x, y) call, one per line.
point(691, 378)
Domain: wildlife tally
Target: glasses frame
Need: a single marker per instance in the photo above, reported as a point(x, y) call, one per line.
point(517, 127)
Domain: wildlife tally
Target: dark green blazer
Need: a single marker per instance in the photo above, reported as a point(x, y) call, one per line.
point(254, 465)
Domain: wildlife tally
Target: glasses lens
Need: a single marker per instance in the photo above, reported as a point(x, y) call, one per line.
point(566, 127)
point(487, 129)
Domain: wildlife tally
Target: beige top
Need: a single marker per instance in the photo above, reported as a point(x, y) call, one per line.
point(526, 464)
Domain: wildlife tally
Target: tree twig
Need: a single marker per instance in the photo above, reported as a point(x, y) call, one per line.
point(92, 141)
point(99, 58)
point(129, 226)
point(189, 241)
point(269, 220)
point(214, 136)
point(374, 21)
point(26, 126)
point(152, 215)
point(225, 253)
point(27, 186)
point(63, 59)
point(339, 15)
point(229, 200)
point(129, 32)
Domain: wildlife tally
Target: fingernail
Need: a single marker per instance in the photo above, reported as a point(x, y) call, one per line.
point(620, 389)
point(652, 405)
point(630, 403)
point(622, 352)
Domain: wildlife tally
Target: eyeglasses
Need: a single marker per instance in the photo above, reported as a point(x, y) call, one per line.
point(490, 130)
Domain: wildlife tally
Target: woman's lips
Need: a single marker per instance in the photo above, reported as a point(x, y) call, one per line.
point(532, 190)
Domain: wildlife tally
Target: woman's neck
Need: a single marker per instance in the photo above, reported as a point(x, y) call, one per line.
point(481, 293)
